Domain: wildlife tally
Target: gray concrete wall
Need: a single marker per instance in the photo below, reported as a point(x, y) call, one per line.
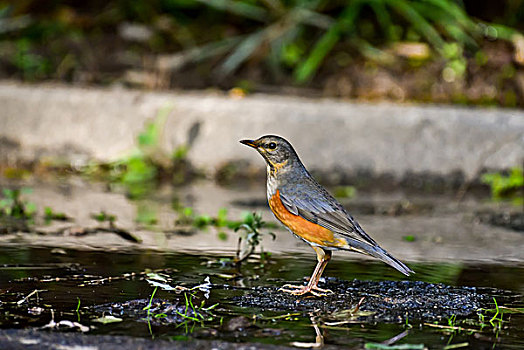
point(79, 124)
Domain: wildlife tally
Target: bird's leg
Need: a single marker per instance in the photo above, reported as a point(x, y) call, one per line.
point(323, 257)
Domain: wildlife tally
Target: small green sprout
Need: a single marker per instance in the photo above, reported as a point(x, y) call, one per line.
point(14, 206)
point(250, 236)
point(50, 215)
point(77, 305)
point(345, 191)
point(506, 186)
point(78, 309)
point(104, 217)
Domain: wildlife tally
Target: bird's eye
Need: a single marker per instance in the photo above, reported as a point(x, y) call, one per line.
point(272, 145)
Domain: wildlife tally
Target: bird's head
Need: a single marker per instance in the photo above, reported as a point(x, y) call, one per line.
point(277, 151)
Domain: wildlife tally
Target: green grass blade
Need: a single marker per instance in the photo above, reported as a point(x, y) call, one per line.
point(197, 54)
point(312, 18)
point(325, 44)
point(383, 18)
point(372, 53)
point(448, 23)
point(454, 11)
point(213, 49)
point(239, 8)
point(406, 10)
point(279, 46)
point(503, 32)
point(242, 52)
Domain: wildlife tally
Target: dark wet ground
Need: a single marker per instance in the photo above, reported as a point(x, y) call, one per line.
point(80, 290)
point(81, 282)
point(386, 301)
point(35, 340)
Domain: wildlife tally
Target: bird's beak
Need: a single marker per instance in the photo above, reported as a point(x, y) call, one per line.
point(250, 143)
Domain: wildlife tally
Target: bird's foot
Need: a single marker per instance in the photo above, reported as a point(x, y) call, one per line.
point(301, 290)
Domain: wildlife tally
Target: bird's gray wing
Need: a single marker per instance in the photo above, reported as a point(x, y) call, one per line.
point(315, 204)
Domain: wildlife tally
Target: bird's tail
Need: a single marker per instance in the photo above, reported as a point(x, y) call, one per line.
point(391, 261)
point(379, 253)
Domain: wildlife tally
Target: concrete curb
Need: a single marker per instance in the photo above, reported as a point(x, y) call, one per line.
point(80, 124)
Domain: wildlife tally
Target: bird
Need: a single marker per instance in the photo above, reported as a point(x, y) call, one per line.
point(312, 214)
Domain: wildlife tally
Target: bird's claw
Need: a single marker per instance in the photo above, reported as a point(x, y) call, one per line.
point(301, 290)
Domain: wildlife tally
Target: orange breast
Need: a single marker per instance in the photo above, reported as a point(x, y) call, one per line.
point(309, 231)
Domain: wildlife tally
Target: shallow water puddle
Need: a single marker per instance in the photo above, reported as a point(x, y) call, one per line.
point(108, 293)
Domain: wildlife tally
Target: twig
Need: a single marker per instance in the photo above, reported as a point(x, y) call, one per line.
point(455, 328)
point(359, 304)
point(396, 338)
point(19, 302)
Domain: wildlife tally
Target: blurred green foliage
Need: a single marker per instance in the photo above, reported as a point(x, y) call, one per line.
point(13, 205)
point(250, 236)
point(32, 65)
point(102, 216)
point(248, 228)
point(409, 238)
point(345, 191)
point(147, 213)
point(187, 216)
point(141, 171)
point(290, 36)
point(51, 215)
point(138, 171)
point(510, 185)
